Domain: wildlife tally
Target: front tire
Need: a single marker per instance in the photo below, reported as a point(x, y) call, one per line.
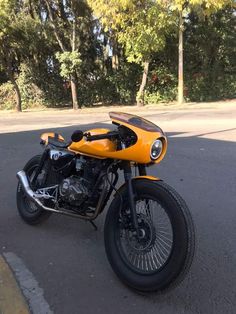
point(29, 211)
point(162, 254)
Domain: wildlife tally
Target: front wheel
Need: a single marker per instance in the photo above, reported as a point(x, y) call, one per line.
point(159, 255)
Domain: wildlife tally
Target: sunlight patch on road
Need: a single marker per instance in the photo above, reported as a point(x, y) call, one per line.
point(219, 135)
point(11, 298)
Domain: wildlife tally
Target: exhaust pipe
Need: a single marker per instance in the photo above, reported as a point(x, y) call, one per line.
point(34, 197)
point(22, 177)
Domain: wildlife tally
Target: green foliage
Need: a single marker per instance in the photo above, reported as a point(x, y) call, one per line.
point(162, 86)
point(7, 96)
point(31, 95)
point(201, 89)
point(205, 6)
point(6, 9)
point(140, 26)
point(69, 62)
point(118, 87)
point(137, 31)
point(143, 32)
point(210, 56)
point(126, 81)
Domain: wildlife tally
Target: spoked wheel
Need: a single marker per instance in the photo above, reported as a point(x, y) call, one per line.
point(160, 253)
point(150, 249)
point(28, 210)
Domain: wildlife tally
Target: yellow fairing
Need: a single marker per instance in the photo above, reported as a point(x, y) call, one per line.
point(139, 152)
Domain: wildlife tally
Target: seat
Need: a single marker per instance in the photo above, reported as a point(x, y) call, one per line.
point(56, 142)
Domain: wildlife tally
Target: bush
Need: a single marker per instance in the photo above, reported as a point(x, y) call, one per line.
point(31, 95)
point(116, 87)
point(97, 90)
point(202, 88)
point(161, 87)
point(7, 96)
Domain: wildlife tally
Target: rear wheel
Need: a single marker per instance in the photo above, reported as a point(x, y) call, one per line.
point(28, 210)
point(161, 253)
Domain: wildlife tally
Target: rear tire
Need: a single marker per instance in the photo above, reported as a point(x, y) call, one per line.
point(136, 261)
point(29, 211)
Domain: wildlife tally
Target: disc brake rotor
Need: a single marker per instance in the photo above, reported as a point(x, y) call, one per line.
point(143, 241)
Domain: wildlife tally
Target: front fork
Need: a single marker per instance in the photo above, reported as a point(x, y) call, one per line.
point(131, 195)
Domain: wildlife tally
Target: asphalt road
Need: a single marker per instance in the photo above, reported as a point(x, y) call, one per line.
point(67, 257)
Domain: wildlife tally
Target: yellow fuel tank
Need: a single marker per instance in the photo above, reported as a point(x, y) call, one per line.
point(95, 148)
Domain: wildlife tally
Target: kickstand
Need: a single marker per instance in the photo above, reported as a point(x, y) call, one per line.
point(93, 224)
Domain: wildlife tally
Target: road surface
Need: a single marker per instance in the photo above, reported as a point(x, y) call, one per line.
point(65, 258)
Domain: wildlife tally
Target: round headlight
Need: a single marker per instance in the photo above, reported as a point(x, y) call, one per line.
point(156, 149)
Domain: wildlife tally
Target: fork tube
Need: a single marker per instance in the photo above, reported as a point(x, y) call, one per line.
point(128, 180)
point(142, 170)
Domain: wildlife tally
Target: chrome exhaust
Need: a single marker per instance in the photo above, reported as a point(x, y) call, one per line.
point(22, 177)
point(34, 197)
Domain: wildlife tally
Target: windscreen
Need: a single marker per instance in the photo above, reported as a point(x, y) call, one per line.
point(135, 121)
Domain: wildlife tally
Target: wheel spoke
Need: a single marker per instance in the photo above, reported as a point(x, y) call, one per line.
point(150, 250)
point(164, 243)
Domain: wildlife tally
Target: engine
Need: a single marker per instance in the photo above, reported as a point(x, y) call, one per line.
point(80, 187)
point(74, 190)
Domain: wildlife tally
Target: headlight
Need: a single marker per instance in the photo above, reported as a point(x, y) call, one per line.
point(156, 149)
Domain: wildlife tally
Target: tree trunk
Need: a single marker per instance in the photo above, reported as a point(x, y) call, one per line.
point(181, 62)
point(115, 57)
point(54, 26)
point(18, 95)
point(74, 92)
point(10, 74)
point(105, 55)
point(60, 40)
point(140, 96)
point(115, 62)
point(74, 81)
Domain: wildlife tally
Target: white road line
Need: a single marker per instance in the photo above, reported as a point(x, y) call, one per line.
point(29, 285)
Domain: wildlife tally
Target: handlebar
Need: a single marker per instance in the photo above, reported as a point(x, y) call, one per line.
point(110, 135)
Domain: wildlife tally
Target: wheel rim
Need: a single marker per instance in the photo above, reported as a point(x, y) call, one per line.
point(150, 250)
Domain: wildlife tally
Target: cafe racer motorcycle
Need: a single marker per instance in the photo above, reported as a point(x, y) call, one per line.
point(148, 233)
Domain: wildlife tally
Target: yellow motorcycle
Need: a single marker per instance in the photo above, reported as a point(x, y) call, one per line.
point(148, 233)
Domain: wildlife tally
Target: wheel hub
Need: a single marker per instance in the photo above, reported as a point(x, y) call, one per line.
point(144, 239)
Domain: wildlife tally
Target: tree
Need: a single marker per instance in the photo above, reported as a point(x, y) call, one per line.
point(8, 54)
point(140, 27)
point(67, 19)
point(182, 8)
point(210, 55)
point(50, 49)
point(21, 41)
